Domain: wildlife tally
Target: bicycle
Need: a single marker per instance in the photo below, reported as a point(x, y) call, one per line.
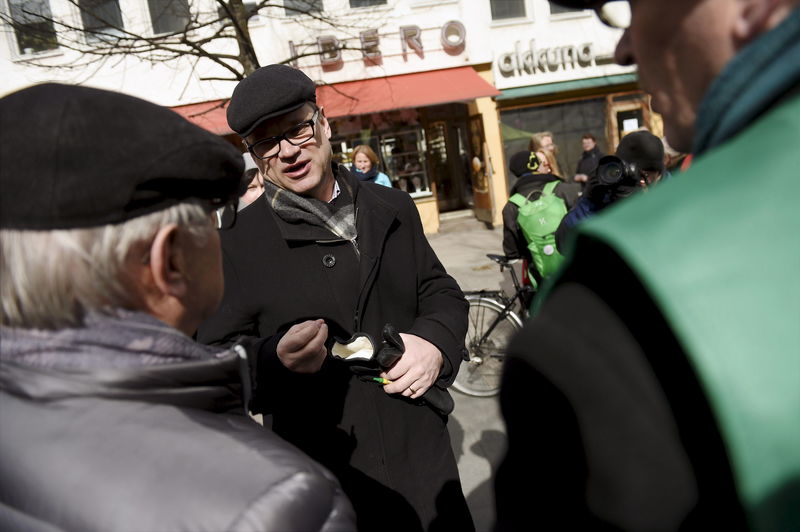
point(492, 323)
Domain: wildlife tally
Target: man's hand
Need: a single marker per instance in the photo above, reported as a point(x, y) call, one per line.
point(302, 348)
point(416, 370)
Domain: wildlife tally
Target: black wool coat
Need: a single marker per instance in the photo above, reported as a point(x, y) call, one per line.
point(392, 455)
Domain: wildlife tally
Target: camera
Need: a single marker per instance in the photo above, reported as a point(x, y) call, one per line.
point(613, 171)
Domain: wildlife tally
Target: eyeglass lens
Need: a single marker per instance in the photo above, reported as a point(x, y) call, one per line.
point(296, 135)
point(225, 216)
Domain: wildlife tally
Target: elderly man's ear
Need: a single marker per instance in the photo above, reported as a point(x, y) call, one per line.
point(163, 283)
point(168, 263)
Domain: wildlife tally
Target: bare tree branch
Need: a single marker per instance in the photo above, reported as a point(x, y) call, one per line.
point(98, 36)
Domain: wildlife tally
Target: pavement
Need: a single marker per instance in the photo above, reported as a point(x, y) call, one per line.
point(476, 427)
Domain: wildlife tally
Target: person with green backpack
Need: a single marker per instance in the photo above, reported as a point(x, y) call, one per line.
point(538, 202)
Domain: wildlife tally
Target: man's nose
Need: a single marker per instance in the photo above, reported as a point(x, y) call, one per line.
point(623, 54)
point(286, 149)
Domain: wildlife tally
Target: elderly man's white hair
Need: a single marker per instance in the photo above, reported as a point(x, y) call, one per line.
point(51, 279)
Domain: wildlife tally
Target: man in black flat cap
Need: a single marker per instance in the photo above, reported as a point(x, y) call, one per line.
point(324, 246)
point(657, 387)
point(112, 417)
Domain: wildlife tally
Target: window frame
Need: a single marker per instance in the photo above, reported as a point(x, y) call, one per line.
point(101, 32)
point(300, 14)
point(568, 15)
point(524, 16)
point(381, 4)
point(152, 20)
point(13, 36)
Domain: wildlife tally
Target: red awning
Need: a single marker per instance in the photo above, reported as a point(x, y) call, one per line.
point(400, 92)
point(208, 115)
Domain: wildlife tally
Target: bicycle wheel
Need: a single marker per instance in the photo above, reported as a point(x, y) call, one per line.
point(480, 375)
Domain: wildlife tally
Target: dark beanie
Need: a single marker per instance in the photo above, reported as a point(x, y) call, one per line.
point(270, 91)
point(73, 157)
point(643, 149)
point(523, 162)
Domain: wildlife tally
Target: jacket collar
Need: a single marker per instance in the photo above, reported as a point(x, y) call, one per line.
point(752, 82)
point(126, 356)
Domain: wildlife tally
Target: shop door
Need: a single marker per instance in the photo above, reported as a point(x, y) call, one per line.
point(481, 170)
point(627, 113)
point(449, 163)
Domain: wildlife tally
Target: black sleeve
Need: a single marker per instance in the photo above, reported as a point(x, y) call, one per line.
point(514, 244)
point(607, 426)
point(570, 193)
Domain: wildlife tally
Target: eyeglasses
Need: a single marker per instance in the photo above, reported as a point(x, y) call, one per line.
point(615, 14)
point(297, 135)
point(224, 217)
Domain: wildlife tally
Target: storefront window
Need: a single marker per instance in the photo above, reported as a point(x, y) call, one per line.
point(567, 121)
point(396, 137)
point(404, 152)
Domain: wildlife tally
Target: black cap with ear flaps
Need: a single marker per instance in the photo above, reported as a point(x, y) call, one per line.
point(74, 157)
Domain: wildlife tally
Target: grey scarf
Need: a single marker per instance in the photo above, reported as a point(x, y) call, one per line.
point(338, 218)
point(123, 339)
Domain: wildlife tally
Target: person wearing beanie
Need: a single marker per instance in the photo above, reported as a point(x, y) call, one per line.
point(533, 172)
point(657, 386)
point(323, 256)
point(642, 154)
point(112, 417)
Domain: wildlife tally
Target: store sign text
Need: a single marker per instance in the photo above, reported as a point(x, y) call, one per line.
point(452, 37)
point(533, 60)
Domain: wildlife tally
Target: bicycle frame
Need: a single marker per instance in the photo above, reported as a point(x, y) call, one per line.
point(506, 302)
point(497, 297)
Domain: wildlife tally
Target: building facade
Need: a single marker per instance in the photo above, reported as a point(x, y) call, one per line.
point(444, 91)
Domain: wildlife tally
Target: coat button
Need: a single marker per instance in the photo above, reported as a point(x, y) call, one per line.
point(329, 261)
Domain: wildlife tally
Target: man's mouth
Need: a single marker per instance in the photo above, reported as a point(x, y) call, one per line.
point(297, 170)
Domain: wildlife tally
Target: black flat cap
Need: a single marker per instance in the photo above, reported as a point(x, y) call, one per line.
point(643, 149)
point(270, 91)
point(523, 162)
point(74, 157)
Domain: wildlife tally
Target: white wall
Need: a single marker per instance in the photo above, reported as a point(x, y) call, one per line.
point(178, 82)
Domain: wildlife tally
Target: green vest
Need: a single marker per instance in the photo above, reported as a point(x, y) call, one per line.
point(718, 250)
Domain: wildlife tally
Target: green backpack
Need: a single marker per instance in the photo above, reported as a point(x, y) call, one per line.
point(539, 220)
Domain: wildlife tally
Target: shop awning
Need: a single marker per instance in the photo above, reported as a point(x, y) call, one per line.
point(404, 91)
point(208, 115)
point(565, 86)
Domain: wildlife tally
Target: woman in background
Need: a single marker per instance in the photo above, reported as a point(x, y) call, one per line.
point(365, 166)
